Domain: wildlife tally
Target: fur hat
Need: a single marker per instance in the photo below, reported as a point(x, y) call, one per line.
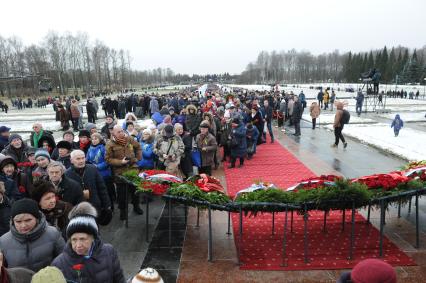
point(205, 124)
point(7, 160)
point(82, 220)
point(147, 275)
point(42, 152)
point(49, 274)
point(40, 189)
point(64, 144)
point(168, 131)
point(25, 205)
point(84, 133)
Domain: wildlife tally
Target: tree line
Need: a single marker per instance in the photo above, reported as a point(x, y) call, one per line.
point(71, 63)
point(397, 65)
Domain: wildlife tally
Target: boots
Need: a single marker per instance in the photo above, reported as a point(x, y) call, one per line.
point(137, 209)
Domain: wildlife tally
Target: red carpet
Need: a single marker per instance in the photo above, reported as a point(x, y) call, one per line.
point(263, 251)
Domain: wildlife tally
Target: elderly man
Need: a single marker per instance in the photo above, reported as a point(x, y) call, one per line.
point(90, 180)
point(67, 189)
point(123, 152)
point(37, 134)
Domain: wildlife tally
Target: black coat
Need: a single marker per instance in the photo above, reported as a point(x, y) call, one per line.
point(92, 180)
point(18, 155)
point(70, 191)
point(102, 267)
point(297, 111)
point(4, 216)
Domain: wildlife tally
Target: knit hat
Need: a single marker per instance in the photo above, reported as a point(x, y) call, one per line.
point(25, 205)
point(40, 189)
point(84, 133)
point(42, 152)
point(373, 270)
point(205, 124)
point(147, 275)
point(90, 126)
point(64, 144)
point(49, 274)
point(14, 136)
point(82, 220)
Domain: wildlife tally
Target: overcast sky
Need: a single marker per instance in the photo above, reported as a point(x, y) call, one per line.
point(196, 36)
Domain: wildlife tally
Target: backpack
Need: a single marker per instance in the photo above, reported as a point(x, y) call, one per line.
point(346, 116)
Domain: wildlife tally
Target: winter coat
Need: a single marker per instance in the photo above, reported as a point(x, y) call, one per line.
point(66, 161)
point(359, 99)
point(4, 216)
point(23, 182)
point(314, 110)
point(297, 111)
point(267, 113)
point(69, 190)
point(175, 153)
point(102, 267)
point(158, 119)
point(114, 154)
point(148, 156)
point(326, 96)
point(96, 156)
point(34, 250)
point(283, 106)
point(239, 133)
point(153, 106)
point(209, 117)
point(186, 160)
point(75, 112)
point(58, 216)
point(93, 181)
point(337, 119)
point(17, 275)
point(4, 141)
point(397, 123)
point(193, 121)
point(11, 188)
point(19, 155)
point(210, 145)
point(320, 96)
point(252, 134)
point(180, 119)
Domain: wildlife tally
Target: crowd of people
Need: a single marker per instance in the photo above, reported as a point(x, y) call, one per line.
point(53, 195)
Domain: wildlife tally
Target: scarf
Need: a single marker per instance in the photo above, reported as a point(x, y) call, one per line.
point(121, 141)
point(83, 146)
point(36, 138)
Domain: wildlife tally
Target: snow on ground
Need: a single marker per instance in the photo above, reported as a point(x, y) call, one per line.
point(408, 145)
point(329, 119)
point(407, 117)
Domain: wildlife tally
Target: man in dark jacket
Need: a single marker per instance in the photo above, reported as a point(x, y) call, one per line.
point(193, 120)
point(91, 181)
point(91, 111)
point(297, 115)
point(67, 189)
point(4, 137)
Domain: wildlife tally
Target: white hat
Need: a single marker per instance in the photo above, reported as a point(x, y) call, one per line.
point(147, 275)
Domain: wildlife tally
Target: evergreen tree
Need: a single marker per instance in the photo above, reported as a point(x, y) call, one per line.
point(390, 69)
point(412, 70)
point(383, 65)
point(370, 62)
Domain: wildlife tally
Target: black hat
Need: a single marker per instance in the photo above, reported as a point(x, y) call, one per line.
point(82, 220)
point(14, 136)
point(40, 189)
point(236, 121)
point(64, 144)
point(7, 160)
point(4, 129)
point(25, 205)
point(31, 150)
point(168, 131)
point(84, 133)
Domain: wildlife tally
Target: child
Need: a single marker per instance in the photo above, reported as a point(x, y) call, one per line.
point(397, 124)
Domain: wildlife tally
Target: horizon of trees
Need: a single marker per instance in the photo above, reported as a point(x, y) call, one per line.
point(399, 64)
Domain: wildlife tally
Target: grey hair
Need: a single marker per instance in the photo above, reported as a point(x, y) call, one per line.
point(178, 125)
point(75, 152)
point(56, 164)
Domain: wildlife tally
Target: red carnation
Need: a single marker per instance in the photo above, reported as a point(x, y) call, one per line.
point(78, 267)
point(22, 189)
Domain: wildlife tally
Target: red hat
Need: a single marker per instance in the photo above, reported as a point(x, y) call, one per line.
point(373, 271)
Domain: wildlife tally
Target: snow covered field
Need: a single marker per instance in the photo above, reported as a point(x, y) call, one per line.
point(328, 118)
point(410, 144)
point(407, 117)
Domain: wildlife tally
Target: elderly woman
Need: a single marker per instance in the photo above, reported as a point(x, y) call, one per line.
point(85, 257)
point(147, 146)
point(55, 211)
point(42, 159)
point(16, 148)
point(31, 242)
point(169, 149)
